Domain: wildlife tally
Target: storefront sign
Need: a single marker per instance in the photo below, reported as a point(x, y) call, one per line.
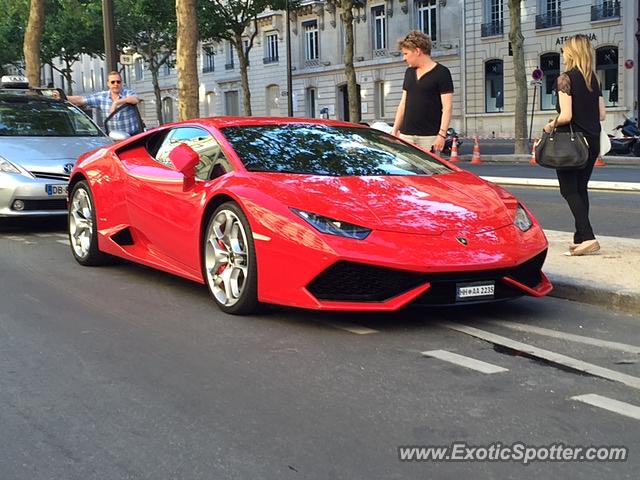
point(591, 36)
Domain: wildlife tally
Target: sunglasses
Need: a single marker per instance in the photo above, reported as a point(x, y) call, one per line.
point(113, 82)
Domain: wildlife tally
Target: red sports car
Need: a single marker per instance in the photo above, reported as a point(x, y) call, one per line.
point(313, 214)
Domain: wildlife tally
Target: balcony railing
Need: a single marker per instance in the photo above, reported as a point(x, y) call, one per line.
point(380, 52)
point(549, 20)
point(267, 60)
point(492, 29)
point(605, 11)
point(228, 66)
point(207, 69)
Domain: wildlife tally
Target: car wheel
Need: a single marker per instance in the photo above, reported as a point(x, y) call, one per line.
point(83, 236)
point(229, 260)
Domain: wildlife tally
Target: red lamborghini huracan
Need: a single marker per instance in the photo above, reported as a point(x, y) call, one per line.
point(312, 214)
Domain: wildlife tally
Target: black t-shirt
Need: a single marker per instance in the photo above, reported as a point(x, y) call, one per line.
point(585, 104)
point(423, 108)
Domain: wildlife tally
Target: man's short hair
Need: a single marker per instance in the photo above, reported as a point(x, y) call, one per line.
point(113, 72)
point(416, 39)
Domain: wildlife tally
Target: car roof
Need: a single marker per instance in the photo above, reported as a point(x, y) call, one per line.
point(223, 122)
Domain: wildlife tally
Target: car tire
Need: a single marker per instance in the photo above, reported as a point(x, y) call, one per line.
point(83, 235)
point(229, 260)
point(636, 148)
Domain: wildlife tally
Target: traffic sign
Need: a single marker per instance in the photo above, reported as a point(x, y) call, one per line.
point(628, 64)
point(537, 74)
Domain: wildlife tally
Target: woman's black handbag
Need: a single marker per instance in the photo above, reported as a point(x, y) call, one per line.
point(562, 150)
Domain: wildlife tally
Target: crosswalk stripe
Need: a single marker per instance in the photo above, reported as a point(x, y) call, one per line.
point(547, 355)
point(606, 403)
point(463, 361)
point(521, 327)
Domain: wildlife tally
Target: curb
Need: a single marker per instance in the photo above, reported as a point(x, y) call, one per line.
point(569, 288)
point(513, 158)
point(551, 182)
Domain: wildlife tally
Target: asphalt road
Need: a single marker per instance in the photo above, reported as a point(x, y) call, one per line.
point(123, 372)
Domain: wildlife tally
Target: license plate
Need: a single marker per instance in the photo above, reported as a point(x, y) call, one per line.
point(57, 190)
point(475, 290)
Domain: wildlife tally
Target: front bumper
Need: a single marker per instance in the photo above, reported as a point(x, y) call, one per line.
point(32, 192)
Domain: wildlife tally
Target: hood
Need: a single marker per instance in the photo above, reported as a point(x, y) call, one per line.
point(41, 153)
point(424, 205)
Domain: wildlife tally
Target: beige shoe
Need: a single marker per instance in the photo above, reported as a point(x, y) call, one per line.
point(586, 248)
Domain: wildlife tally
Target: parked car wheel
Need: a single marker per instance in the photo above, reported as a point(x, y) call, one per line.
point(229, 261)
point(83, 235)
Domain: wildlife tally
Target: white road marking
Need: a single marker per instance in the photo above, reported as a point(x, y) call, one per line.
point(63, 242)
point(616, 406)
point(352, 328)
point(463, 361)
point(44, 235)
point(15, 238)
point(61, 235)
point(547, 355)
point(521, 327)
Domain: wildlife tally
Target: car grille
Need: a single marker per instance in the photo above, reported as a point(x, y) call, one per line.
point(62, 177)
point(349, 281)
point(57, 204)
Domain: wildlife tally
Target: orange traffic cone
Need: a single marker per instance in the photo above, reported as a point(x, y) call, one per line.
point(475, 159)
point(532, 160)
point(454, 151)
point(599, 162)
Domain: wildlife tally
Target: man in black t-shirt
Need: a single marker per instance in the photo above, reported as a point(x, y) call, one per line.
point(424, 112)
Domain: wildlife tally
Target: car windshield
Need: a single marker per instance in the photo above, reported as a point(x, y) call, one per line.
point(24, 117)
point(328, 150)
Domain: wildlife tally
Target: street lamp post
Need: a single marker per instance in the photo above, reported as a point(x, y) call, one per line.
point(289, 80)
point(110, 48)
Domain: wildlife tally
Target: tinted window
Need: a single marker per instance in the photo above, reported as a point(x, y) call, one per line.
point(325, 150)
point(32, 118)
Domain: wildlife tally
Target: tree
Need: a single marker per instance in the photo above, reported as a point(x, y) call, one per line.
point(347, 58)
point(72, 28)
point(235, 21)
point(32, 41)
point(12, 24)
point(148, 28)
point(187, 53)
point(517, 43)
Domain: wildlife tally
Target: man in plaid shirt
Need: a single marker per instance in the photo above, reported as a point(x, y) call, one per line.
point(126, 120)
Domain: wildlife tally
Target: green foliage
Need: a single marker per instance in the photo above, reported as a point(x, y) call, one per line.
point(13, 22)
point(73, 27)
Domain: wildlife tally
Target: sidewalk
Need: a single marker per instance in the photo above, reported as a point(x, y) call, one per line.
point(609, 278)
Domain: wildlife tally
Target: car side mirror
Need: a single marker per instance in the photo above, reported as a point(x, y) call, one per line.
point(185, 159)
point(118, 136)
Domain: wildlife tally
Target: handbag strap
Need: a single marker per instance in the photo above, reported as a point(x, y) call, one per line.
point(555, 125)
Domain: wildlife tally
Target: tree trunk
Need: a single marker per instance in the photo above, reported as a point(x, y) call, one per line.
point(347, 58)
point(67, 75)
point(32, 41)
point(517, 40)
point(186, 59)
point(244, 76)
point(157, 94)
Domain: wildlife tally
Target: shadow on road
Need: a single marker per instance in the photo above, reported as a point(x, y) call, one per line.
point(32, 225)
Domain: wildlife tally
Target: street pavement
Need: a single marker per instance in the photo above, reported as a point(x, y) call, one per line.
point(609, 278)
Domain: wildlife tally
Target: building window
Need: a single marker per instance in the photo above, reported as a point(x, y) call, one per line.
point(550, 14)
point(426, 15)
point(229, 56)
point(138, 69)
point(494, 19)
point(271, 48)
point(379, 26)
point(310, 98)
point(102, 80)
point(167, 67)
point(273, 101)
point(311, 41)
point(208, 59)
point(550, 65)
point(231, 103)
point(493, 86)
point(605, 10)
point(379, 99)
point(607, 72)
point(210, 104)
point(167, 109)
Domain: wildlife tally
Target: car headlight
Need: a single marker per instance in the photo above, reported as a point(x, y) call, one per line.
point(332, 226)
point(522, 220)
point(7, 167)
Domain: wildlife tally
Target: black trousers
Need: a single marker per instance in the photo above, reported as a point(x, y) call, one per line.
point(573, 187)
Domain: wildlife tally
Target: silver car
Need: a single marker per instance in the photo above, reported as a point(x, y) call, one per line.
point(40, 139)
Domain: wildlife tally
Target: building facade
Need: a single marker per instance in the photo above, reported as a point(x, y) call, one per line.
point(471, 38)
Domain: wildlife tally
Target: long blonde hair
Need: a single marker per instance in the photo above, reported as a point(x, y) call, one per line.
point(578, 53)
